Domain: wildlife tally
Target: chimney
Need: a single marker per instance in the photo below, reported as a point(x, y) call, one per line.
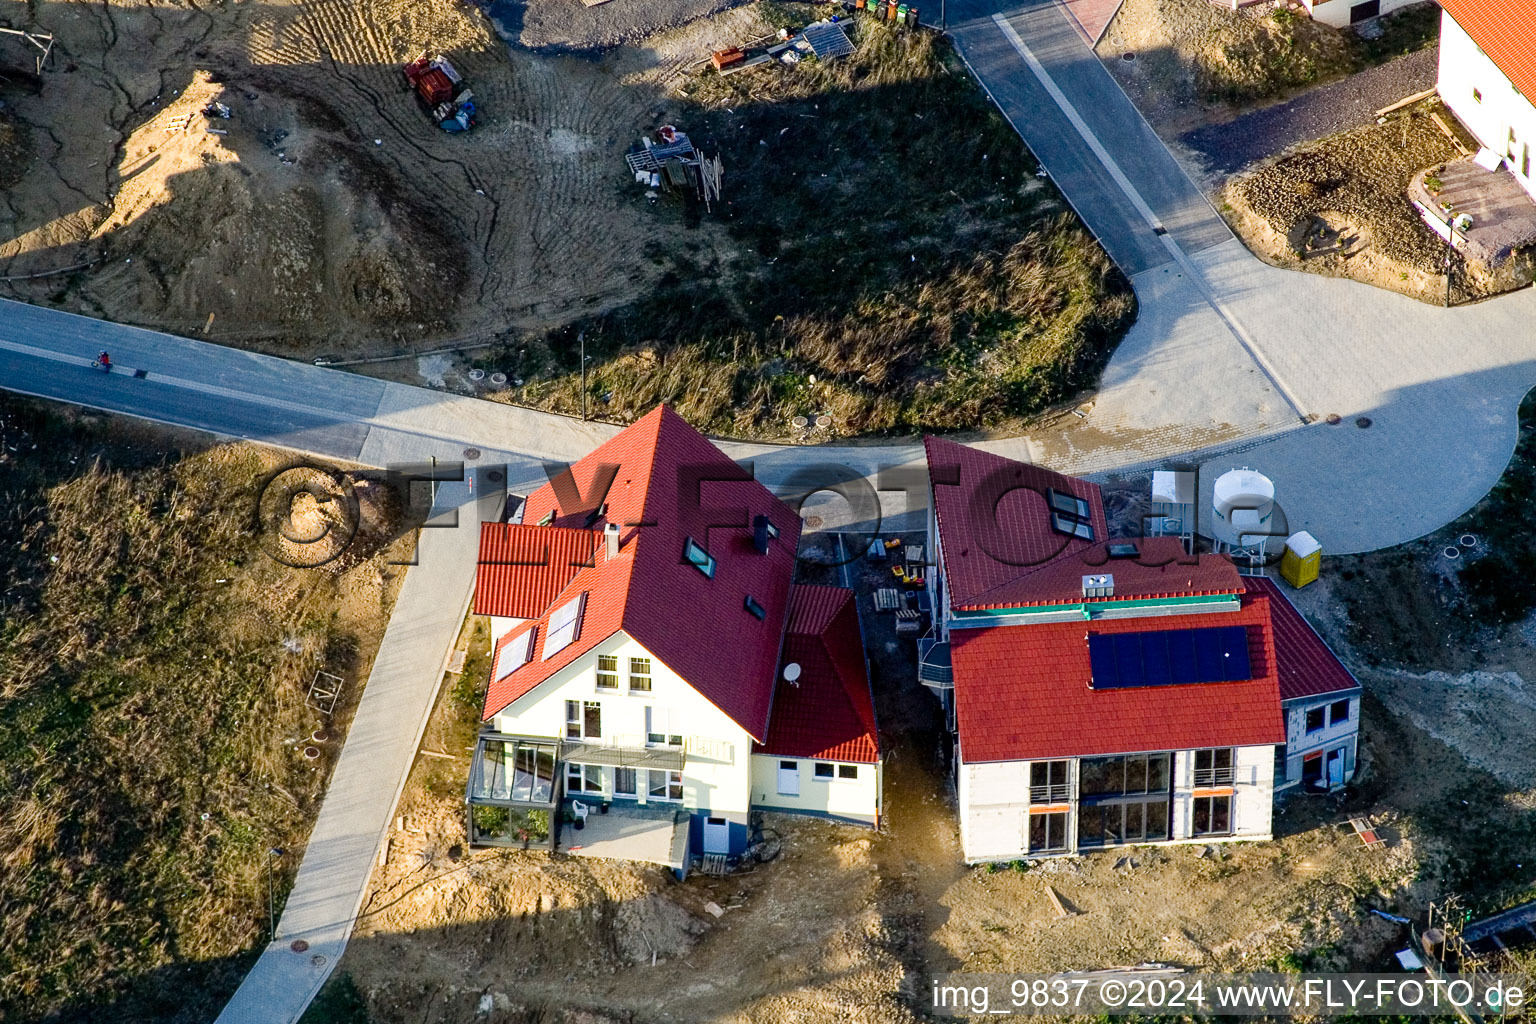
point(611, 539)
point(1098, 586)
point(763, 532)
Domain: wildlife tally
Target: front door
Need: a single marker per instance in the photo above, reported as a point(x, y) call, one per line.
point(717, 836)
point(789, 778)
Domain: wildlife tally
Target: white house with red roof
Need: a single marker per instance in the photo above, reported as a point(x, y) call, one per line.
point(655, 672)
point(1488, 76)
point(1111, 691)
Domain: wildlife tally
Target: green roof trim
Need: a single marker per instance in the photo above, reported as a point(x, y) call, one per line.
point(962, 618)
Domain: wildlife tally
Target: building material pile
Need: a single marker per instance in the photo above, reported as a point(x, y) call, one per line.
point(442, 93)
point(669, 157)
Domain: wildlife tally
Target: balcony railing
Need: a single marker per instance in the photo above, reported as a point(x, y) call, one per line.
point(1206, 777)
point(1056, 794)
point(622, 755)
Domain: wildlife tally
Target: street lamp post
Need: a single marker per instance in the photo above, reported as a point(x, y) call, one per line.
point(272, 855)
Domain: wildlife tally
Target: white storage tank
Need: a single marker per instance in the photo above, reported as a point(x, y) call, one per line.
point(1243, 502)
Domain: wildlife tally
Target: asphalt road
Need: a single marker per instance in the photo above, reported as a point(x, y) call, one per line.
point(1076, 89)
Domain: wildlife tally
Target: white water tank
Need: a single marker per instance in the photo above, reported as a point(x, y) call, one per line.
point(1243, 502)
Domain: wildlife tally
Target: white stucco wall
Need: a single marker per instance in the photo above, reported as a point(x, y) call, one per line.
point(1487, 103)
point(856, 799)
point(717, 774)
point(1338, 13)
point(994, 805)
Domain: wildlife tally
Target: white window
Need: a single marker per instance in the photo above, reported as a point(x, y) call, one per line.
point(583, 719)
point(624, 782)
point(517, 653)
point(659, 729)
point(583, 778)
point(664, 785)
point(564, 625)
point(789, 778)
point(607, 671)
point(639, 675)
point(823, 770)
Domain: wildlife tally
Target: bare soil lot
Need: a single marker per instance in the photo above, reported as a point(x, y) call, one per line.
point(333, 218)
point(1198, 62)
point(1339, 206)
point(154, 662)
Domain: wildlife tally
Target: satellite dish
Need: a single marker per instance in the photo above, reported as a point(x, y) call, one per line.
point(792, 672)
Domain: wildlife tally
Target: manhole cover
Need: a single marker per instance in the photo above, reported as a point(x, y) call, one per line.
point(498, 378)
point(495, 476)
point(823, 421)
point(477, 374)
point(471, 453)
point(318, 960)
point(1468, 540)
point(800, 422)
point(813, 522)
point(1452, 553)
point(1128, 56)
point(1333, 419)
point(298, 945)
point(1363, 422)
point(310, 753)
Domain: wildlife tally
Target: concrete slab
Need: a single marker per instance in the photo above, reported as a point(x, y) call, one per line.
point(638, 834)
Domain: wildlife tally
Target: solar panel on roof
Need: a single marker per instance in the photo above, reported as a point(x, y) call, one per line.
point(1168, 657)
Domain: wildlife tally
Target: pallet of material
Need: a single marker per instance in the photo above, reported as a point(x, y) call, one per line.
point(1368, 835)
point(757, 61)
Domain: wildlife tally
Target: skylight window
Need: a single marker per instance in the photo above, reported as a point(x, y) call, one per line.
point(763, 533)
point(1067, 504)
point(757, 610)
point(517, 653)
point(1071, 527)
point(695, 555)
point(564, 625)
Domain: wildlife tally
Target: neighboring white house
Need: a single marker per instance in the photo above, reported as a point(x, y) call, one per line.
point(1343, 13)
point(1488, 77)
point(652, 659)
point(1112, 691)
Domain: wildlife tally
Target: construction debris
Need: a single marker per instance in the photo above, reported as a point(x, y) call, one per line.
point(670, 157)
point(442, 93)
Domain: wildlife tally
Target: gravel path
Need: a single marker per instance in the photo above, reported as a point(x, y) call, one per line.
point(1229, 147)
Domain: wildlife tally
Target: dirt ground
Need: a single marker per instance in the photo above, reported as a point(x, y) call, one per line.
point(332, 218)
point(1339, 207)
point(1196, 61)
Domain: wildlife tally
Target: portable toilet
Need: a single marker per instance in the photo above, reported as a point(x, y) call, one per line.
point(1303, 555)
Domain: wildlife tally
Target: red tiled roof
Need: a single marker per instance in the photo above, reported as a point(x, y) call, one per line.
point(1021, 692)
point(523, 567)
point(830, 713)
point(1307, 666)
point(666, 482)
point(999, 550)
point(1506, 31)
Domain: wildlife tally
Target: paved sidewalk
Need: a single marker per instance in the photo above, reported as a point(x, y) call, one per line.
point(380, 749)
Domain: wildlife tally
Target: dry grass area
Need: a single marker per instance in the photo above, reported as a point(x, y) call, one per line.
point(1197, 61)
point(895, 264)
point(1353, 186)
point(153, 669)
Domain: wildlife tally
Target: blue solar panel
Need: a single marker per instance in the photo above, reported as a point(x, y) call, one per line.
point(1168, 657)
